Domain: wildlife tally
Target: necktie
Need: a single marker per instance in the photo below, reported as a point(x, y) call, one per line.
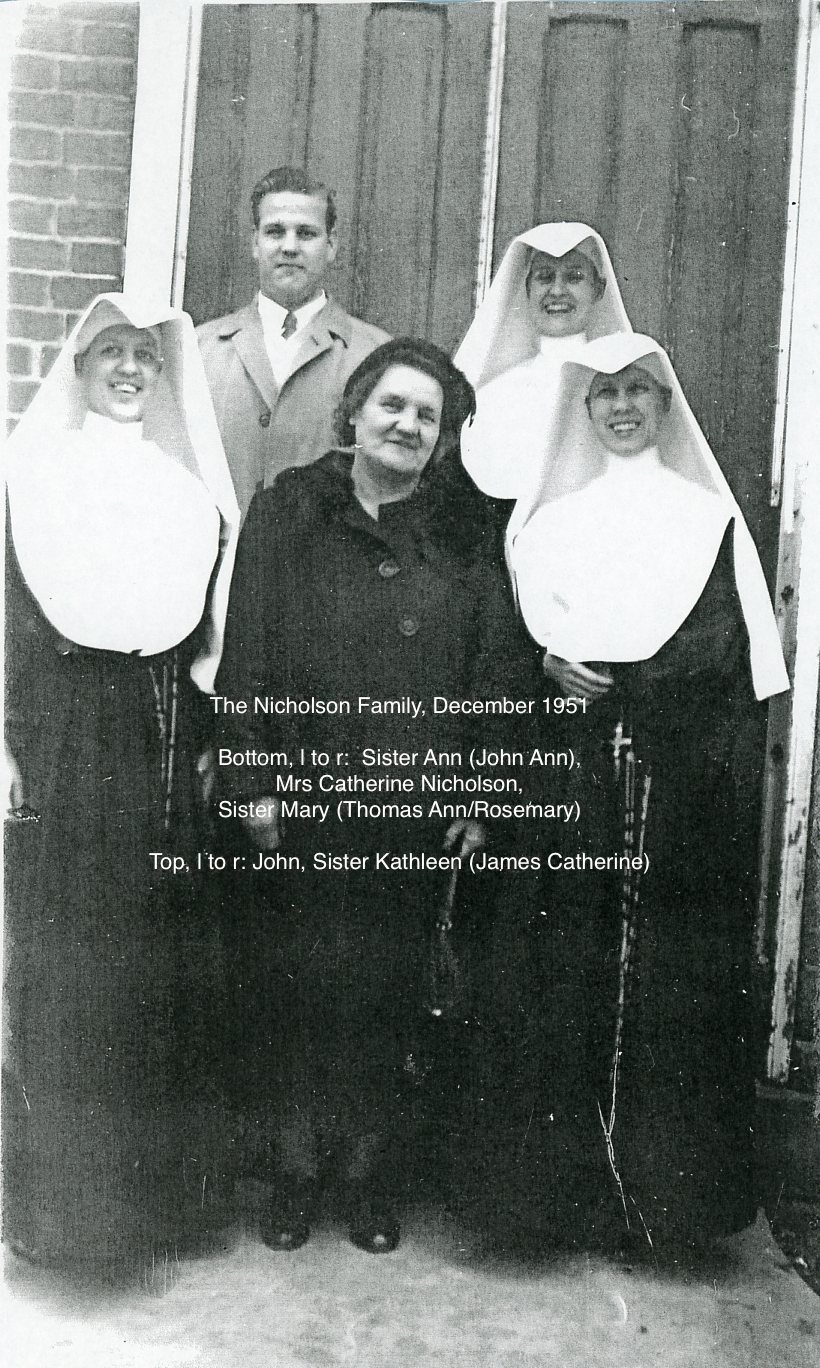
point(289, 326)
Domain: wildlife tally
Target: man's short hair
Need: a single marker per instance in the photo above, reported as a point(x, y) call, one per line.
point(418, 354)
point(297, 181)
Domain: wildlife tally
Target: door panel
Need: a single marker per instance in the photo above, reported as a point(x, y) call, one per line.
point(710, 337)
point(401, 118)
point(335, 126)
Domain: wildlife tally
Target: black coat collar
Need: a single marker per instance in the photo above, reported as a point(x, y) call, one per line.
point(445, 514)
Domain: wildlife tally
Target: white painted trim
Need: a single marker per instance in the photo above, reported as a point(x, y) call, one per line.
point(186, 167)
point(799, 570)
point(792, 217)
point(163, 139)
point(492, 141)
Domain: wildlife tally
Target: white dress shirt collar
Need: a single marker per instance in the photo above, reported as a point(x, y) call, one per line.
point(281, 350)
point(273, 315)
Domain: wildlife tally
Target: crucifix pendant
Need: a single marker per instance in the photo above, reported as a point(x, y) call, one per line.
point(619, 743)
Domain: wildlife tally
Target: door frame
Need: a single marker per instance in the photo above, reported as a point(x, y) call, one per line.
point(795, 486)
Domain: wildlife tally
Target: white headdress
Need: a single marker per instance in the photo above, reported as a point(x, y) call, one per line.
point(501, 334)
point(116, 525)
point(514, 372)
point(610, 554)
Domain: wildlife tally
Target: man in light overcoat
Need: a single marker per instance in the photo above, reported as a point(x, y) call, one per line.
point(277, 367)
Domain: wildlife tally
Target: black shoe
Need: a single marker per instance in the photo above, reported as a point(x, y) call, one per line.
point(286, 1223)
point(373, 1221)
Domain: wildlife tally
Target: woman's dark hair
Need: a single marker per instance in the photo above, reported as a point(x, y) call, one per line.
point(458, 513)
point(459, 397)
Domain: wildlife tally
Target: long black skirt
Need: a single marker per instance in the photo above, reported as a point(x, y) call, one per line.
point(108, 966)
point(618, 1061)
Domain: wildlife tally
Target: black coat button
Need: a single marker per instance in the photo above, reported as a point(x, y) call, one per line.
point(264, 420)
point(388, 569)
point(408, 626)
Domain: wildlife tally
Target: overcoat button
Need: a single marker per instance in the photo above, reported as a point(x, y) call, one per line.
point(264, 420)
point(388, 569)
point(408, 626)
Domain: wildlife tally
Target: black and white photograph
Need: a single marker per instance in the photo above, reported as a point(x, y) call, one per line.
point(411, 936)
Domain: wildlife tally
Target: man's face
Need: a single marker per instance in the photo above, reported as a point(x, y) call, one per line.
point(562, 292)
point(627, 409)
point(119, 371)
point(292, 247)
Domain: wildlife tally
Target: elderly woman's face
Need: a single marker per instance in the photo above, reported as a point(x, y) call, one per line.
point(562, 292)
point(398, 424)
point(627, 409)
point(119, 371)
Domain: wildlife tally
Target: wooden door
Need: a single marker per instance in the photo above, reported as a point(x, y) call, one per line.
point(665, 126)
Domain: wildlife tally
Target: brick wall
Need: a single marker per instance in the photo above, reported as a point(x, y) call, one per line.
point(71, 108)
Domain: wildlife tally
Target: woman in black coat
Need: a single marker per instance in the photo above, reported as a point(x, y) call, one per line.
point(364, 580)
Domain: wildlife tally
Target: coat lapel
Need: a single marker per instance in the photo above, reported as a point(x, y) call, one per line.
point(330, 323)
point(250, 346)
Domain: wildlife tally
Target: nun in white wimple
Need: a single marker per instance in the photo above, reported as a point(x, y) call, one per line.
point(615, 540)
point(635, 570)
point(117, 483)
point(555, 289)
point(119, 497)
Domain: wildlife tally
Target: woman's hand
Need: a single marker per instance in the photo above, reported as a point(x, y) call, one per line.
point(575, 680)
point(265, 831)
point(12, 781)
point(471, 835)
point(206, 776)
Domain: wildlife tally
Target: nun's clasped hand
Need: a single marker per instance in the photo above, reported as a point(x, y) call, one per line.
point(465, 836)
point(577, 681)
point(264, 825)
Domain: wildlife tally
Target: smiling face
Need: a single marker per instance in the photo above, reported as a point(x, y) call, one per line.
point(398, 424)
point(292, 247)
point(562, 292)
point(119, 371)
point(628, 409)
